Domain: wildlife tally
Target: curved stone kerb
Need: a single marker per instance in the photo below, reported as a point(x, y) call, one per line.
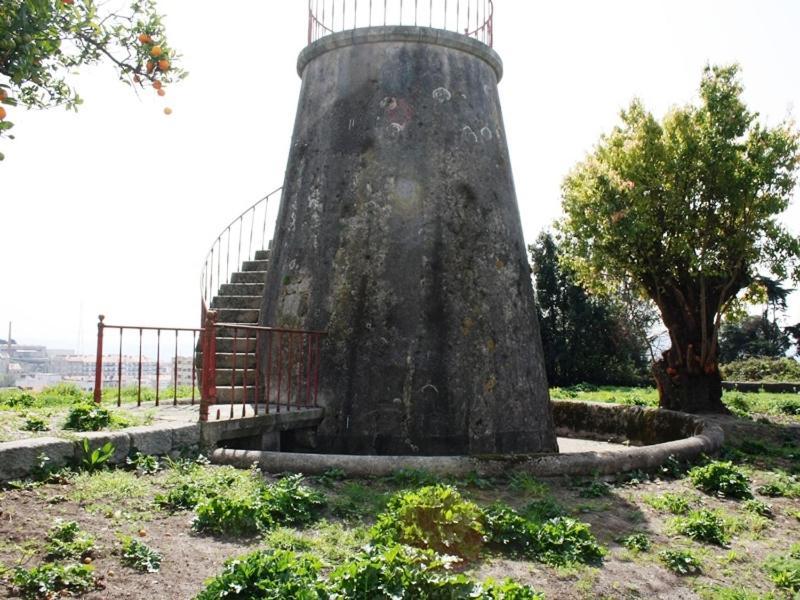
point(421, 35)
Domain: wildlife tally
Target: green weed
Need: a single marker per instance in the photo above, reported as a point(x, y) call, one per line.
point(703, 526)
point(721, 479)
point(681, 562)
point(49, 580)
point(677, 504)
point(66, 540)
point(636, 542)
point(87, 417)
point(139, 556)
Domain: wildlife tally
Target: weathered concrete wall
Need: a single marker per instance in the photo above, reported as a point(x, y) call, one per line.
point(399, 234)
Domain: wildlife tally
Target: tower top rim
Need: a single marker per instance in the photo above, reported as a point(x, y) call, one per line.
point(405, 33)
point(470, 18)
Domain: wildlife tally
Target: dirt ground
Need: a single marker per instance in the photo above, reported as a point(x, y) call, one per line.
point(116, 503)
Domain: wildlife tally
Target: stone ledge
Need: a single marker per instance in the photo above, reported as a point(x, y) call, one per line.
point(695, 437)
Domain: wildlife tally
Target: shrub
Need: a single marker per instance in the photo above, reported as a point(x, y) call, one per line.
point(525, 482)
point(542, 510)
point(762, 369)
point(330, 476)
point(51, 579)
point(87, 417)
point(250, 509)
point(564, 540)
point(140, 556)
point(266, 574)
point(412, 478)
point(144, 464)
point(703, 526)
point(401, 572)
point(66, 540)
point(19, 400)
point(594, 489)
point(34, 423)
point(788, 406)
point(681, 562)
point(636, 542)
point(433, 517)
point(677, 504)
point(721, 479)
point(758, 507)
point(508, 531)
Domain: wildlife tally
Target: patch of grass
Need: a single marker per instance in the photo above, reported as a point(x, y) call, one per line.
point(784, 572)
point(703, 526)
point(412, 478)
point(637, 542)
point(332, 543)
point(528, 484)
point(111, 486)
point(681, 562)
point(358, 501)
point(330, 476)
point(594, 489)
point(52, 579)
point(781, 486)
point(66, 540)
point(188, 483)
point(432, 517)
point(676, 504)
point(541, 510)
point(721, 479)
point(139, 556)
point(718, 592)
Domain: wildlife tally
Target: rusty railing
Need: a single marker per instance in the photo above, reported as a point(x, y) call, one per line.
point(117, 367)
point(473, 18)
point(239, 241)
point(286, 379)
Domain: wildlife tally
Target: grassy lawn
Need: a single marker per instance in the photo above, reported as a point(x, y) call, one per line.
point(34, 414)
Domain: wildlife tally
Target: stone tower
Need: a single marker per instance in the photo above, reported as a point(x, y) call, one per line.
point(399, 234)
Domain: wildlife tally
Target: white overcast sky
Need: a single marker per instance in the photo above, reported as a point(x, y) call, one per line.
point(112, 209)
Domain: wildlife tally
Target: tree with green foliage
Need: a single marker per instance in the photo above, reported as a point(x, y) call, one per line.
point(687, 208)
point(41, 41)
point(752, 336)
point(586, 337)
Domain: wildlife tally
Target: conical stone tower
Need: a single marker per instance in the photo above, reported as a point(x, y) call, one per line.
point(399, 234)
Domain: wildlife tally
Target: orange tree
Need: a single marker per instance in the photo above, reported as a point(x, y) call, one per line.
point(42, 40)
point(688, 208)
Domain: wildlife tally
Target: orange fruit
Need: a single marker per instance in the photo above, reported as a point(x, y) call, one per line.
point(157, 85)
point(167, 111)
point(145, 39)
point(161, 92)
point(163, 64)
point(2, 113)
point(156, 51)
point(150, 66)
point(142, 533)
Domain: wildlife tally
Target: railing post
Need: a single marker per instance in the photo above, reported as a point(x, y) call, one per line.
point(98, 365)
point(208, 392)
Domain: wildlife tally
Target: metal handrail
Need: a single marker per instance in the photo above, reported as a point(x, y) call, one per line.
point(473, 18)
point(220, 252)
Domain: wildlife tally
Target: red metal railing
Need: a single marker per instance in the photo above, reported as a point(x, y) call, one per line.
point(285, 378)
point(116, 368)
point(239, 241)
point(473, 18)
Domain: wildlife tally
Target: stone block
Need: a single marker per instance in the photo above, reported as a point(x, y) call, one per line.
point(185, 436)
point(18, 459)
point(155, 439)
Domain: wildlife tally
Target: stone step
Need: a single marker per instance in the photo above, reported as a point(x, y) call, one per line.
point(242, 289)
point(224, 301)
point(228, 332)
point(249, 277)
point(225, 376)
point(243, 344)
point(238, 315)
point(225, 360)
point(237, 394)
point(255, 265)
point(262, 254)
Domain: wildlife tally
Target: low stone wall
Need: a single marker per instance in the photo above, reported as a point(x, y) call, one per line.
point(758, 386)
point(19, 459)
point(668, 433)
